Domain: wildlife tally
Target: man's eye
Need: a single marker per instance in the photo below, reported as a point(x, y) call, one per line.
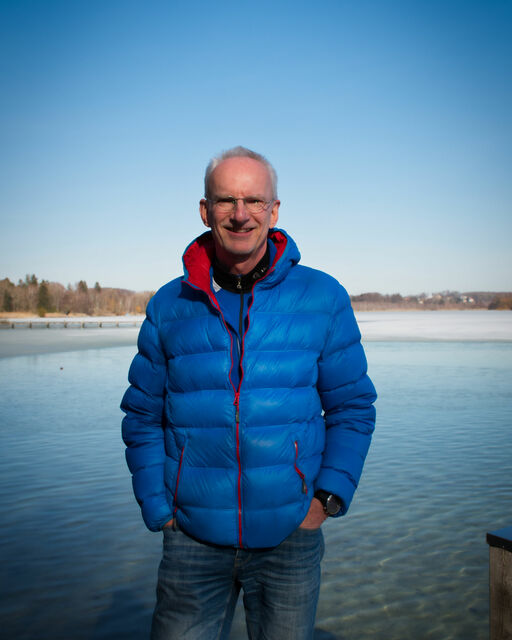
point(226, 200)
point(253, 201)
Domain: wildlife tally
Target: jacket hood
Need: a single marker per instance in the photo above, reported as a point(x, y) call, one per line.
point(199, 255)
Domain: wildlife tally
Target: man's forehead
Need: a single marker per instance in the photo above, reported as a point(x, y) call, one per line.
point(238, 169)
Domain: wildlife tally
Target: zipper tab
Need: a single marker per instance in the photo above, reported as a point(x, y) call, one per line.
point(239, 283)
point(237, 404)
point(301, 475)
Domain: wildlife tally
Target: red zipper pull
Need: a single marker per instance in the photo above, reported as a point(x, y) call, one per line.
point(237, 403)
point(301, 475)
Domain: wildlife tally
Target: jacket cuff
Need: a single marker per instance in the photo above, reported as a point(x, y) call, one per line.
point(338, 483)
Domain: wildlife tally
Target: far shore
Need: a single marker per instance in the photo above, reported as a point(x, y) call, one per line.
point(26, 315)
point(357, 306)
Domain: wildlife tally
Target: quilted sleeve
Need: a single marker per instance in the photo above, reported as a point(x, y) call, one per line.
point(142, 428)
point(347, 396)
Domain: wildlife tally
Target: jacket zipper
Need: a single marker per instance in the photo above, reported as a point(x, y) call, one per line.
point(240, 329)
point(237, 410)
point(237, 397)
point(236, 402)
point(301, 475)
point(239, 461)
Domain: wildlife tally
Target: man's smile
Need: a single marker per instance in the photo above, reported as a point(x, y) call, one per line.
point(231, 230)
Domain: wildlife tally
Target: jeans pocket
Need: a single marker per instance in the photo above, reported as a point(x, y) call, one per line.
point(171, 529)
point(308, 531)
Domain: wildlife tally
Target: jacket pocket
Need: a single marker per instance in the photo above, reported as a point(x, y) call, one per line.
point(297, 469)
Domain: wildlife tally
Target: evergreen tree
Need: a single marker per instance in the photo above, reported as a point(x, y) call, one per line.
point(8, 302)
point(44, 301)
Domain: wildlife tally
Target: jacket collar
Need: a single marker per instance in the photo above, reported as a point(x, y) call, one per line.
point(240, 283)
point(199, 256)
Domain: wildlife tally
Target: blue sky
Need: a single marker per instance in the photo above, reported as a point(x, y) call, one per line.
point(389, 124)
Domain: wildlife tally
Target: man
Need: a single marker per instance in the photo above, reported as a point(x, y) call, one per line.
point(248, 418)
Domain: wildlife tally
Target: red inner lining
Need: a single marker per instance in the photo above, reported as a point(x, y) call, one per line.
point(200, 255)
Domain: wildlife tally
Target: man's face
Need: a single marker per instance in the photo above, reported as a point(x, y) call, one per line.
point(240, 237)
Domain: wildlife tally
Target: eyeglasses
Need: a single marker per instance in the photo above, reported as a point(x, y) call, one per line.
point(251, 203)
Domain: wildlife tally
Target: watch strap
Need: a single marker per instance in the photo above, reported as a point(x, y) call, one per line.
point(331, 502)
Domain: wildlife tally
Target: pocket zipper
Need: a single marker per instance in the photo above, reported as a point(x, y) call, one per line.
point(301, 475)
point(178, 481)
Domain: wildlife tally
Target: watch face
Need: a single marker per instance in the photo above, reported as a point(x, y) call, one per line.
point(333, 505)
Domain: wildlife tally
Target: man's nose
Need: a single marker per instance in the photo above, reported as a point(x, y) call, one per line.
point(240, 212)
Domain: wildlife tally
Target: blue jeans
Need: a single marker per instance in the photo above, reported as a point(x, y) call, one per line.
point(198, 586)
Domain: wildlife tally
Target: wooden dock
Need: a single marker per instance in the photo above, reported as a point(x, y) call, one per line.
point(500, 583)
point(71, 323)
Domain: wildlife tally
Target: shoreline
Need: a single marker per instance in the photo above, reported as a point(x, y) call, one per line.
point(13, 318)
point(361, 307)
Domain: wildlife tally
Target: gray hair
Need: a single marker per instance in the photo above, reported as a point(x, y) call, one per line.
point(239, 152)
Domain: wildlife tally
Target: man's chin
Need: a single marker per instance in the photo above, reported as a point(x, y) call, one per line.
point(233, 253)
point(240, 247)
point(237, 252)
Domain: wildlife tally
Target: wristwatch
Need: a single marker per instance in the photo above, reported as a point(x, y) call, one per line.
point(330, 502)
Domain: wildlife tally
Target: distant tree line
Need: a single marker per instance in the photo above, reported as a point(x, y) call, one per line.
point(503, 301)
point(442, 300)
point(42, 297)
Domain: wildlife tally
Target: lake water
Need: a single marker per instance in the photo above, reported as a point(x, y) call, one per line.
point(409, 561)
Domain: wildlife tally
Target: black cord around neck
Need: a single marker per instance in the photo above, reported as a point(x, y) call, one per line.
point(240, 283)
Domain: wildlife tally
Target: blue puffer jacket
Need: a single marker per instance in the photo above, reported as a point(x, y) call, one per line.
point(240, 466)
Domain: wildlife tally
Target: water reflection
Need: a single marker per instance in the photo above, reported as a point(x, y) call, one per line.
point(410, 560)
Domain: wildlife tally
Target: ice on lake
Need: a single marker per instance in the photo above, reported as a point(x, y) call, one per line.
point(473, 326)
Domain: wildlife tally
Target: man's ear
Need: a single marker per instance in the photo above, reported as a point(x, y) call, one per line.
point(274, 214)
point(203, 210)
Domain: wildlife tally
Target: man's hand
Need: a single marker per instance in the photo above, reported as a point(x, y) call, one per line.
point(315, 516)
point(168, 524)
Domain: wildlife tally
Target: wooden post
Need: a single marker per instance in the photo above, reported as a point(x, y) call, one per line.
point(500, 583)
